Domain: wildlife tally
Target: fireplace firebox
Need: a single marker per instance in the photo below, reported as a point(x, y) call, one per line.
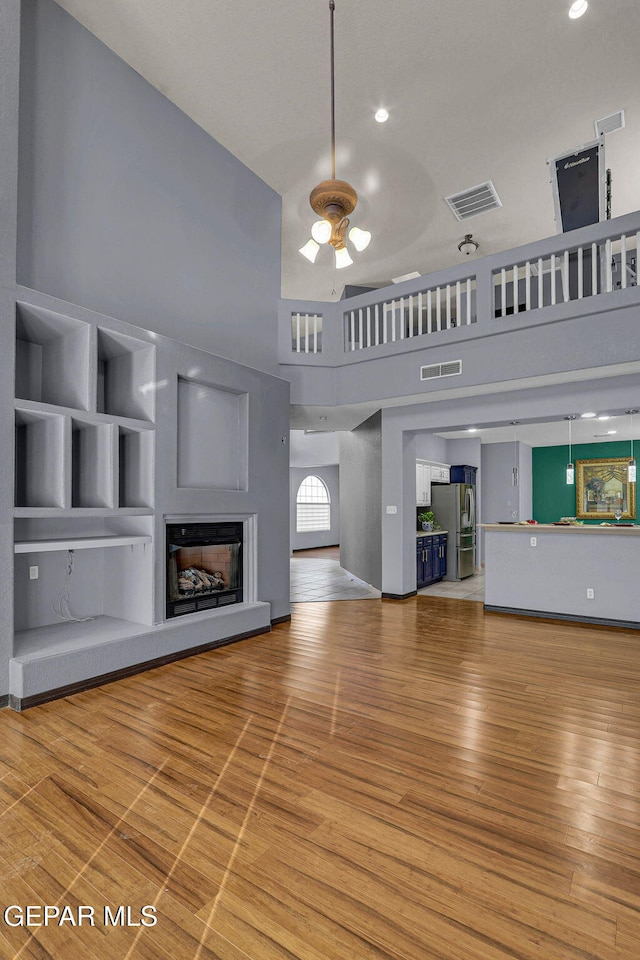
point(204, 566)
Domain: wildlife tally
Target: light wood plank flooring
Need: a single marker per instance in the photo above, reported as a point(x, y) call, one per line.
point(375, 781)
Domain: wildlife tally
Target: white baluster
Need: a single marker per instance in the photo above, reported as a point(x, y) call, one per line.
point(429, 313)
point(594, 269)
point(402, 318)
point(306, 333)
point(458, 304)
point(469, 300)
point(580, 275)
point(420, 314)
point(540, 283)
point(527, 285)
point(608, 269)
point(503, 292)
point(368, 326)
point(553, 279)
point(385, 318)
point(393, 321)
point(623, 261)
point(315, 332)
point(352, 325)
point(376, 314)
point(438, 309)
point(516, 295)
point(448, 305)
point(360, 332)
point(565, 277)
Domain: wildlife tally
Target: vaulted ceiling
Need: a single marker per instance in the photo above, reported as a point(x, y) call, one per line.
point(475, 91)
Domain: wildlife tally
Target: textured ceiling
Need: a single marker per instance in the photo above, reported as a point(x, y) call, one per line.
point(475, 91)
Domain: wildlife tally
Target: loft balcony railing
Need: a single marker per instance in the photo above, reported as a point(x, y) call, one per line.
point(587, 269)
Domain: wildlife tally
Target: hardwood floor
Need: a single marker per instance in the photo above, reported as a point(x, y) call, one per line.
point(373, 781)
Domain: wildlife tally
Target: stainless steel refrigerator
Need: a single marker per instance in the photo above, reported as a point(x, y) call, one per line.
point(454, 507)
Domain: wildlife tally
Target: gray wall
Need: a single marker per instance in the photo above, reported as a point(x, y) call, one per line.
point(361, 501)
point(129, 208)
point(313, 449)
point(501, 501)
point(321, 538)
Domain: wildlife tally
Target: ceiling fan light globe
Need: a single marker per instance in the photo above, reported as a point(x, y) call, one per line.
point(321, 231)
point(342, 258)
point(310, 250)
point(360, 238)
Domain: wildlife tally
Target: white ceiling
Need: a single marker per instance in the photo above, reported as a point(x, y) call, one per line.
point(475, 91)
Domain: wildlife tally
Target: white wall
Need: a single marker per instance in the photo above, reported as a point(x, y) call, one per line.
point(313, 449)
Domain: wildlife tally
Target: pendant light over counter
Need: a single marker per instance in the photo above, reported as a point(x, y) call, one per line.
point(570, 477)
point(632, 462)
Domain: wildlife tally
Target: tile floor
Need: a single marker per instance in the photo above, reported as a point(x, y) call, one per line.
point(317, 575)
point(471, 588)
point(320, 579)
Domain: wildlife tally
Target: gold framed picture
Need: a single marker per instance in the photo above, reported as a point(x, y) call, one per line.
point(603, 490)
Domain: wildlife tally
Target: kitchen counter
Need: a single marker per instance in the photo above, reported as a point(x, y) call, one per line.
point(562, 528)
point(587, 572)
point(430, 533)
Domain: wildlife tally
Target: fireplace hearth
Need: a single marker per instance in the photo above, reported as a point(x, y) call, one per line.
point(204, 566)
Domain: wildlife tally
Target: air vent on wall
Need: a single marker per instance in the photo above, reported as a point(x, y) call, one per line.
point(615, 121)
point(473, 201)
point(436, 370)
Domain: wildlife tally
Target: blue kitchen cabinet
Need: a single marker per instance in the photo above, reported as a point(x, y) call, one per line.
point(463, 473)
point(431, 559)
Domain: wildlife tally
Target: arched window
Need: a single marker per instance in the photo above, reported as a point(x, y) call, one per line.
point(313, 506)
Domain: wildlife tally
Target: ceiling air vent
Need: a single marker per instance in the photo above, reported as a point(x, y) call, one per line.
point(473, 201)
point(436, 370)
point(615, 121)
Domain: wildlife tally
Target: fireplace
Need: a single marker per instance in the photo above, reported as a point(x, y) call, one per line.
point(204, 566)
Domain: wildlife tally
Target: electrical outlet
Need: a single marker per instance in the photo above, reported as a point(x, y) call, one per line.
point(534, 541)
point(34, 573)
point(392, 509)
point(590, 593)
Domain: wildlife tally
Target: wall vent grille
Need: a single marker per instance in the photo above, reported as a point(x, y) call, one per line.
point(615, 121)
point(436, 370)
point(475, 200)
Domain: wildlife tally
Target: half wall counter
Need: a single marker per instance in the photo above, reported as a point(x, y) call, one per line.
point(588, 573)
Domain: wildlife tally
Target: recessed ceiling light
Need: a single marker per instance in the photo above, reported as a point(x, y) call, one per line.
point(610, 433)
point(472, 429)
point(577, 9)
point(322, 418)
point(605, 416)
point(585, 416)
point(382, 115)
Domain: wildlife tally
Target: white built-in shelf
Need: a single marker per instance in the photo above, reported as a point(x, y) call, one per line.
point(25, 512)
point(77, 543)
point(70, 637)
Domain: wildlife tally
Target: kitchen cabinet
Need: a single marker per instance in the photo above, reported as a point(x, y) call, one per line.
point(440, 473)
point(431, 558)
point(423, 484)
point(463, 473)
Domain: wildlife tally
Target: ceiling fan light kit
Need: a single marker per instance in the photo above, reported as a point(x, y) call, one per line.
point(334, 201)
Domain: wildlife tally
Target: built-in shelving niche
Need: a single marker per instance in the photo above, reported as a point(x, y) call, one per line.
point(92, 464)
point(110, 588)
point(40, 444)
point(52, 358)
point(135, 467)
point(126, 376)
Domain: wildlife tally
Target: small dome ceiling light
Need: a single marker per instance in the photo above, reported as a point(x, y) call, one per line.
point(382, 115)
point(587, 416)
point(468, 245)
point(578, 8)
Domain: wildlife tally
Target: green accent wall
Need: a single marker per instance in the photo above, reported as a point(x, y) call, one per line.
point(552, 497)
